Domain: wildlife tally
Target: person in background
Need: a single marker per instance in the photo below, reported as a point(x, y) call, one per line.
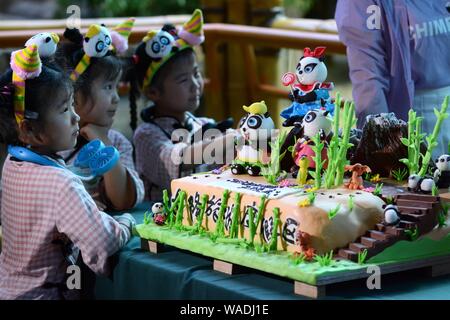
point(398, 54)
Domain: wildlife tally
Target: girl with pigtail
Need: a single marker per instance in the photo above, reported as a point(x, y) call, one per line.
point(96, 71)
point(166, 72)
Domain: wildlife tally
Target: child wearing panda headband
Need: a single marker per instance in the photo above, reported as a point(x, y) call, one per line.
point(92, 63)
point(167, 73)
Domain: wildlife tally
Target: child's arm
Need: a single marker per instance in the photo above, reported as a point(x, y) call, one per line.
point(224, 142)
point(122, 186)
point(95, 233)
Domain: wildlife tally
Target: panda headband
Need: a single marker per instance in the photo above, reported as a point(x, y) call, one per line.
point(162, 45)
point(26, 64)
point(99, 41)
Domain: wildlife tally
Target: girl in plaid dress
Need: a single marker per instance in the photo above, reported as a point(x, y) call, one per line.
point(45, 207)
point(96, 71)
point(167, 73)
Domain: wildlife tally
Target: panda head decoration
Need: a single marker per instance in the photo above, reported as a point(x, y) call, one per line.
point(157, 208)
point(257, 124)
point(311, 69)
point(46, 43)
point(316, 121)
point(158, 44)
point(162, 45)
point(443, 163)
point(97, 41)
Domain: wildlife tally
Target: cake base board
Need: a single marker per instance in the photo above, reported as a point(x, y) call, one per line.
point(311, 283)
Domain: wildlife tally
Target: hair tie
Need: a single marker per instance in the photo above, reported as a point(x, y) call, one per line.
point(135, 59)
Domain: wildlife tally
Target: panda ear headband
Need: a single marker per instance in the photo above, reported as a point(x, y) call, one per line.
point(162, 45)
point(100, 42)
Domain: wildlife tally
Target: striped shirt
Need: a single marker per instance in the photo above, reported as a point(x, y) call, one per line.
point(125, 149)
point(41, 206)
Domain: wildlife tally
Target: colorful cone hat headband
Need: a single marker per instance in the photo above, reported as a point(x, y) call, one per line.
point(162, 45)
point(120, 35)
point(25, 64)
point(98, 42)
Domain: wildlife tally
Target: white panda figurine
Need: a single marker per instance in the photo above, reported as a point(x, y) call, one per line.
point(317, 121)
point(158, 44)
point(419, 184)
point(442, 173)
point(311, 69)
point(97, 41)
point(46, 43)
point(391, 215)
point(256, 129)
point(157, 208)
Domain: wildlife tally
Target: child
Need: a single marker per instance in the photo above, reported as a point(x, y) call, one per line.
point(167, 72)
point(96, 72)
point(45, 207)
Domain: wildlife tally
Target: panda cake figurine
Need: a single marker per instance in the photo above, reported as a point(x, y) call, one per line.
point(315, 122)
point(158, 213)
point(311, 91)
point(420, 184)
point(442, 173)
point(391, 215)
point(256, 129)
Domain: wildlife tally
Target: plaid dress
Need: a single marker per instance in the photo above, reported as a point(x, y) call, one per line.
point(155, 151)
point(44, 209)
point(125, 148)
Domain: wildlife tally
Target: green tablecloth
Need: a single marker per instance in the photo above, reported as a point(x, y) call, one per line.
point(176, 274)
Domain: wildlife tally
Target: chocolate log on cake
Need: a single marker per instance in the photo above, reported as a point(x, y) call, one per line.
point(380, 146)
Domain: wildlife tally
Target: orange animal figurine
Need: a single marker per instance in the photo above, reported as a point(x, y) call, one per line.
point(356, 181)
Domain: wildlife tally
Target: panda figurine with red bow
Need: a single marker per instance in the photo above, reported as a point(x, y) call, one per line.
point(309, 91)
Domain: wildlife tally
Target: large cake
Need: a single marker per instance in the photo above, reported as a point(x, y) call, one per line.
point(322, 199)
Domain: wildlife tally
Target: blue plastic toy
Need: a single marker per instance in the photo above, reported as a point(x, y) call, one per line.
point(93, 156)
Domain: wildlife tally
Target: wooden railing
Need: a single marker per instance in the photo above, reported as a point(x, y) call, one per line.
point(246, 37)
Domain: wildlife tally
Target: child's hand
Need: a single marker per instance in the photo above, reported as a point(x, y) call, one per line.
point(93, 131)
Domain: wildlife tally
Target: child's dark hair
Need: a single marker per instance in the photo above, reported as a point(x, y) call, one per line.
point(70, 53)
point(39, 95)
point(142, 62)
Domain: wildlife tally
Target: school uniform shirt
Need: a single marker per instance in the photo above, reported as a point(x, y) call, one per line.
point(391, 64)
point(158, 154)
point(125, 148)
point(43, 209)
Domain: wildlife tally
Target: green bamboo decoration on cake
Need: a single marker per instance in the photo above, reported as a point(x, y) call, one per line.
point(166, 201)
point(276, 221)
point(260, 214)
point(333, 146)
point(188, 211)
point(344, 145)
point(432, 140)
point(175, 203)
point(317, 148)
point(220, 228)
point(273, 170)
point(203, 203)
point(251, 225)
point(235, 218)
point(179, 217)
point(413, 142)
